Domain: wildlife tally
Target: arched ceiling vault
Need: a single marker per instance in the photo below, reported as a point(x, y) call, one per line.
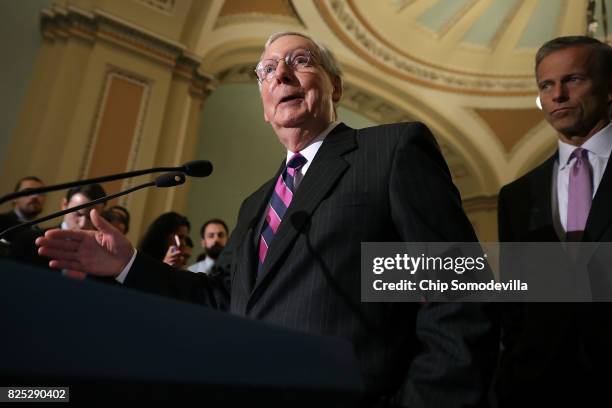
point(464, 67)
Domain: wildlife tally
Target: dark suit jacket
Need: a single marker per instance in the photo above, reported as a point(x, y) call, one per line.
point(553, 351)
point(386, 183)
point(22, 247)
point(7, 220)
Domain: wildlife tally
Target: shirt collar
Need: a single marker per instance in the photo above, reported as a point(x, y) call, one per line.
point(310, 151)
point(600, 144)
point(20, 215)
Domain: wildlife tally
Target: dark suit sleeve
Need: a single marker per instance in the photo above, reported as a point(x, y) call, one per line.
point(511, 313)
point(504, 225)
point(153, 276)
point(459, 340)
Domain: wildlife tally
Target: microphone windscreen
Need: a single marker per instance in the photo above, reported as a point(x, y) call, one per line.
point(198, 168)
point(170, 179)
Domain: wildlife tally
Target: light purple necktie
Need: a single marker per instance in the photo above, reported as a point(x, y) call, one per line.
point(579, 194)
point(279, 202)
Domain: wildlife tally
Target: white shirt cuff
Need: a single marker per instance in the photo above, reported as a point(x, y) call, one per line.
point(121, 277)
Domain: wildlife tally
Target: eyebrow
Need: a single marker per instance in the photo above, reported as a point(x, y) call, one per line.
point(312, 53)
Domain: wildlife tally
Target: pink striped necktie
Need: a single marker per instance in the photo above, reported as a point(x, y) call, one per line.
point(279, 202)
point(579, 194)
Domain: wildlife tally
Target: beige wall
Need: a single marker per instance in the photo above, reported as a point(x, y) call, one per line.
point(107, 96)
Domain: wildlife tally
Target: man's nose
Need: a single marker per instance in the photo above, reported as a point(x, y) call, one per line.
point(559, 93)
point(85, 223)
point(283, 73)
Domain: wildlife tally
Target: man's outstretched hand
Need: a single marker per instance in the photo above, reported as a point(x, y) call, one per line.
point(104, 252)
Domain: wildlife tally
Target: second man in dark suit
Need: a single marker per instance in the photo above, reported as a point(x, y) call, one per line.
point(554, 352)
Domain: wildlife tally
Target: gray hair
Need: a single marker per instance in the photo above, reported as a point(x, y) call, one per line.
point(601, 51)
point(322, 54)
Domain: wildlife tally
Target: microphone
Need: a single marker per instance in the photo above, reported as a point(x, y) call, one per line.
point(197, 168)
point(194, 168)
point(165, 180)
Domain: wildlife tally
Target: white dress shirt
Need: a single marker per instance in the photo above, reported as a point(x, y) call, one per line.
point(309, 153)
point(204, 266)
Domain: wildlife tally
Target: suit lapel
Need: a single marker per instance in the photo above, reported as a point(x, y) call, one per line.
point(600, 215)
point(247, 251)
point(541, 223)
point(327, 167)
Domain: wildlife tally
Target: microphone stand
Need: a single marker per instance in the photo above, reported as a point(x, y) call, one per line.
point(63, 186)
point(165, 180)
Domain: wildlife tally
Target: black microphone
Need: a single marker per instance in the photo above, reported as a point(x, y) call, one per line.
point(195, 168)
point(165, 180)
point(168, 180)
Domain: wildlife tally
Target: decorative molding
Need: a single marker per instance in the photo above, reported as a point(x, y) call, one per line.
point(371, 106)
point(165, 6)
point(246, 18)
point(111, 74)
point(480, 203)
point(64, 23)
point(201, 84)
point(238, 73)
point(354, 32)
point(400, 5)
point(270, 12)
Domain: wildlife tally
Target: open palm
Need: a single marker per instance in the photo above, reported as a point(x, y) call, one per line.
point(104, 252)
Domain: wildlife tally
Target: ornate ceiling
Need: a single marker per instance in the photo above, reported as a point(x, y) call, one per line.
point(467, 45)
point(464, 67)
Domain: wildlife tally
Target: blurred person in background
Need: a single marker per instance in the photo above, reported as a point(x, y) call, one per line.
point(24, 208)
point(214, 234)
point(79, 220)
point(162, 235)
point(178, 255)
point(119, 217)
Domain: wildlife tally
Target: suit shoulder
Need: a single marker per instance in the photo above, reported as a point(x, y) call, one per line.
point(542, 170)
point(8, 215)
point(8, 219)
point(394, 134)
point(398, 130)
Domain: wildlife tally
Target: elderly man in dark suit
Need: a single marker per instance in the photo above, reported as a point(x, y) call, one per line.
point(294, 256)
point(553, 352)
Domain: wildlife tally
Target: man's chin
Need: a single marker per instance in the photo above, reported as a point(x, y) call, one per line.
point(214, 252)
point(565, 126)
point(31, 213)
point(291, 122)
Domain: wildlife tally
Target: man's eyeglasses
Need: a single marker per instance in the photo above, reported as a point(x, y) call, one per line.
point(298, 60)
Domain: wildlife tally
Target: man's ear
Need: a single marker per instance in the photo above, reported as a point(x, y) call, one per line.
point(64, 203)
point(337, 92)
